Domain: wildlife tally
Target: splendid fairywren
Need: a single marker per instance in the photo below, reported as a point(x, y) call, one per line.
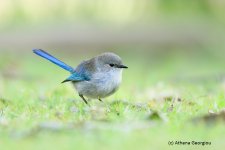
point(97, 77)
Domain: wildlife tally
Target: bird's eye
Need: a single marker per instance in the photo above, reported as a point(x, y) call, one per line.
point(111, 65)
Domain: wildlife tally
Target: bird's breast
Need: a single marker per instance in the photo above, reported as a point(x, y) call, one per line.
point(108, 82)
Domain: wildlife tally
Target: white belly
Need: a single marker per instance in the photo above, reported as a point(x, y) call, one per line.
point(101, 85)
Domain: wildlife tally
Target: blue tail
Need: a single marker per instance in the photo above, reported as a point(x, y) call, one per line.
point(53, 59)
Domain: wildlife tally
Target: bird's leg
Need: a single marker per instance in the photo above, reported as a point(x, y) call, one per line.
point(83, 99)
point(108, 108)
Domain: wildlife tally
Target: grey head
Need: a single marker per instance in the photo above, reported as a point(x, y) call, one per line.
point(109, 61)
point(104, 62)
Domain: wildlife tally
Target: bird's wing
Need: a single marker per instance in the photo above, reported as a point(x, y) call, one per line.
point(76, 77)
point(83, 71)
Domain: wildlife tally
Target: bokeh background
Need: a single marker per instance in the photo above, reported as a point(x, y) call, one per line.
point(77, 25)
point(161, 31)
point(168, 45)
point(161, 39)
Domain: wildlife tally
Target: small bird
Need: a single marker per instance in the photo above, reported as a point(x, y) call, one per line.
point(96, 78)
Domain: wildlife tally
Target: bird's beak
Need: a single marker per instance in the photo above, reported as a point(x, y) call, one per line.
point(121, 66)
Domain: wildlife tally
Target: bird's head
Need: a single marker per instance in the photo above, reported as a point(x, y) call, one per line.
point(110, 61)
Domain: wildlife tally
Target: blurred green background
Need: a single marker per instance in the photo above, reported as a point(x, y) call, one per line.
point(163, 31)
point(173, 49)
point(78, 25)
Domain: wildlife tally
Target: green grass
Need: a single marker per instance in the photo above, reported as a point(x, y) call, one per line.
point(37, 112)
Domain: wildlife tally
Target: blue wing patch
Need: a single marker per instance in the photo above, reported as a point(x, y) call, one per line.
point(78, 75)
point(81, 73)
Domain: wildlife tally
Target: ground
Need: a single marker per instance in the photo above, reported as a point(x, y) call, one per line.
point(164, 98)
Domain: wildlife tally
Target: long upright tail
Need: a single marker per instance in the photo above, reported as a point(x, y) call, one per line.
point(54, 60)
